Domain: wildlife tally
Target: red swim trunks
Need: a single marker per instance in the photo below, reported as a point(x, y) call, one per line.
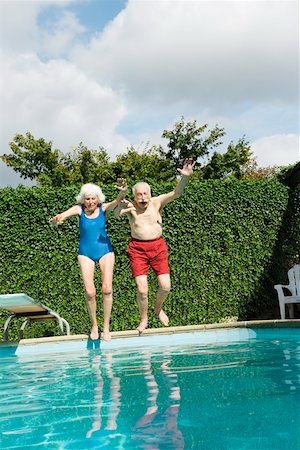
point(143, 254)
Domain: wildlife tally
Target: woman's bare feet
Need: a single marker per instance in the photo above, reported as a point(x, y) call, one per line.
point(142, 326)
point(163, 318)
point(106, 336)
point(94, 334)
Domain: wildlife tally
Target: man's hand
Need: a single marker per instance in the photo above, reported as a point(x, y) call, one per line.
point(122, 185)
point(188, 166)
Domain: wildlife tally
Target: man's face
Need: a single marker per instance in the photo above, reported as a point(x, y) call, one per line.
point(142, 196)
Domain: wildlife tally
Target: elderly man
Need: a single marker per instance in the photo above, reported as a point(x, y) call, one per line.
point(147, 247)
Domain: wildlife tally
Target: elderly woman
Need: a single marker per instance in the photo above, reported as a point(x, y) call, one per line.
point(95, 247)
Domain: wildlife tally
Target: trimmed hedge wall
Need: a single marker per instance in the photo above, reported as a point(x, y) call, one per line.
point(229, 243)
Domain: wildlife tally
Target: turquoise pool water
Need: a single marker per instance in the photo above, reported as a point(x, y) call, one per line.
point(233, 395)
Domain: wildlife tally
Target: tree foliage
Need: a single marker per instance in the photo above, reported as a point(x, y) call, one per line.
point(190, 140)
point(149, 165)
point(37, 160)
point(231, 163)
point(253, 172)
point(32, 157)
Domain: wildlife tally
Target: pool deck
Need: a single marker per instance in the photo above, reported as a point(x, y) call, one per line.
point(289, 323)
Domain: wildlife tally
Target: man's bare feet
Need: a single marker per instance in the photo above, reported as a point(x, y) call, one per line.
point(163, 318)
point(142, 326)
point(94, 334)
point(106, 336)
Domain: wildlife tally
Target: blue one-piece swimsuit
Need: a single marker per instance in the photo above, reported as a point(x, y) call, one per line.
point(94, 242)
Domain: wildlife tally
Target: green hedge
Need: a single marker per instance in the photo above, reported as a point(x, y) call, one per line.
point(229, 243)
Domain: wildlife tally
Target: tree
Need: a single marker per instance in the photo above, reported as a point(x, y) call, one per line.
point(231, 163)
point(89, 166)
point(35, 159)
point(253, 172)
point(190, 140)
point(187, 140)
point(149, 165)
point(31, 157)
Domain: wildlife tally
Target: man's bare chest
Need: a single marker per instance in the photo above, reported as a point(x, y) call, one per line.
point(149, 216)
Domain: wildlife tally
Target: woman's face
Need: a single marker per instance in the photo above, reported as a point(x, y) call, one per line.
point(91, 202)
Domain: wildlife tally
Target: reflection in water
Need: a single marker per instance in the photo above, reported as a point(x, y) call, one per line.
point(292, 376)
point(158, 423)
point(152, 389)
point(102, 364)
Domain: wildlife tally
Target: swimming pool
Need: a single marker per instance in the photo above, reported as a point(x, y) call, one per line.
point(157, 392)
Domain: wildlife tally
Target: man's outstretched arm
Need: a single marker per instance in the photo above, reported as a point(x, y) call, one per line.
point(185, 172)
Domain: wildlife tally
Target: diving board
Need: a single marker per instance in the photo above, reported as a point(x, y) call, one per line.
point(21, 305)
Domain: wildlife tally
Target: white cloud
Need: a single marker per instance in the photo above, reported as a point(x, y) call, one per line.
point(58, 39)
point(19, 30)
point(234, 64)
point(231, 63)
point(57, 101)
point(218, 54)
point(284, 149)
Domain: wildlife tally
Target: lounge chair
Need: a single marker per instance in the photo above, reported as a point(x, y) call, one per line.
point(21, 305)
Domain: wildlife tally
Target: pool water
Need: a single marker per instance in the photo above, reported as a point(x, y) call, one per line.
point(239, 396)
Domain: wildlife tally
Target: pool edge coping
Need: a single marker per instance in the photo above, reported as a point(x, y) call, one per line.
point(276, 323)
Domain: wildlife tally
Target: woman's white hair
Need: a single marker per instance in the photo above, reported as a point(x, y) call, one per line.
point(140, 183)
point(90, 189)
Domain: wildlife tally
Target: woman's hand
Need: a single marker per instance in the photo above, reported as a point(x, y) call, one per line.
point(57, 220)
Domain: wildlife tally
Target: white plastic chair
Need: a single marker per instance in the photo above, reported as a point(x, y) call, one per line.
point(291, 297)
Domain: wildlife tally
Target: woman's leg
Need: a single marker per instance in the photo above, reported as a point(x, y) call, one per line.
point(87, 268)
point(106, 264)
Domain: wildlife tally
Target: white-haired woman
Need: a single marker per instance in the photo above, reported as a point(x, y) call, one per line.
point(95, 247)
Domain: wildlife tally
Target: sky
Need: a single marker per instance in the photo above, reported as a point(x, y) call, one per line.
point(117, 73)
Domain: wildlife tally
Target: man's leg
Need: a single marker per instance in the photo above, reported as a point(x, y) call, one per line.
point(164, 286)
point(142, 301)
point(106, 264)
point(87, 267)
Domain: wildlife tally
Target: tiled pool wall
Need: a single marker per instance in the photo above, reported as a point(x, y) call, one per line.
point(189, 335)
